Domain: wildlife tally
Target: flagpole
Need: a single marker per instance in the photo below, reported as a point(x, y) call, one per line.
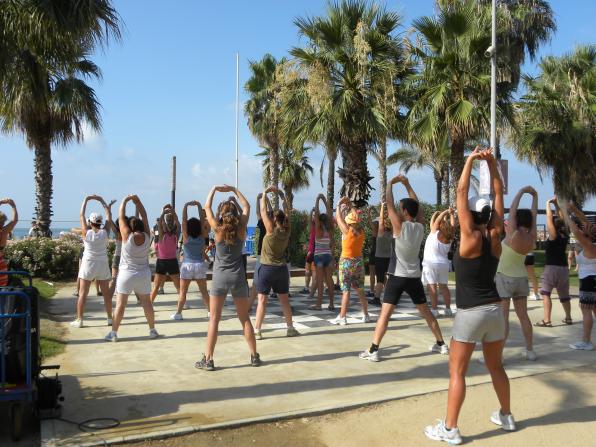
point(493, 79)
point(237, 109)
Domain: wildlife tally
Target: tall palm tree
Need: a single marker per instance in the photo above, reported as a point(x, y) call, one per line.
point(351, 56)
point(556, 124)
point(43, 67)
point(262, 110)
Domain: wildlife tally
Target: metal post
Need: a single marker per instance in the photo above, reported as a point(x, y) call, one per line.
point(493, 79)
point(237, 109)
point(173, 182)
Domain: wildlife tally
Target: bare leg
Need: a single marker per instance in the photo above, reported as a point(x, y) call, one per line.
point(202, 283)
point(320, 279)
point(158, 281)
point(84, 286)
point(431, 321)
point(520, 304)
point(363, 301)
point(119, 313)
point(148, 309)
point(330, 286)
point(493, 356)
point(216, 303)
point(567, 308)
point(261, 309)
point(444, 288)
point(113, 282)
point(107, 297)
point(432, 291)
point(459, 359)
point(587, 322)
point(176, 280)
point(548, 307)
point(184, 284)
point(249, 333)
point(532, 277)
point(372, 277)
point(345, 304)
point(286, 308)
point(506, 305)
point(383, 322)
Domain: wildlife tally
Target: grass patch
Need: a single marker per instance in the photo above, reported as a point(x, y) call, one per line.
point(52, 339)
point(46, 289)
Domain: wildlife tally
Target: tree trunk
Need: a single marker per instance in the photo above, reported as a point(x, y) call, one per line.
point(383, 169)
point(274, 172)
point(445, 186)
point(439, 190)
point(354, 174)
point(289, 197)
point(43, 187)
point(331, 179)
point(456, 162)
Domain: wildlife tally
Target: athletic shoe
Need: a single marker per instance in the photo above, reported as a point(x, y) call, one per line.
point(370, 294)
point(435, 312)
point(440, 433)
point(448, 312)
point(176, 316)
point(372, 356)
point(529, 355)
point(255, 360)
point(339, 320)
point(258, 334)
point(375, 301)
point(537, 297)
point(205, 364)
point(273, 295)
point(76, 323)
point(75, 293)
point(365, 318)
point(443, 349)
point(153, 334)
point(292, 332)
point(304, 290)
point(112, 336)
point(582, 346)
point(186, 306)
point(99, 293)
point(505, 421)
point(337, 287)
point(161, 291)
point(109, 321)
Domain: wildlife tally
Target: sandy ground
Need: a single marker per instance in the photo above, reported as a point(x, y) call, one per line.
point(553, 409)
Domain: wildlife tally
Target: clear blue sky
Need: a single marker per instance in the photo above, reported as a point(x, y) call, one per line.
point(169, 88)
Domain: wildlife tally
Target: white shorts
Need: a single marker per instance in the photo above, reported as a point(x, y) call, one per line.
point(193, 270)
point(128, 283)
point(435, 274)
point(95, 270)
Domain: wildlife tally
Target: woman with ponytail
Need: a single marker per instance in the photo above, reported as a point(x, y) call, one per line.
point(166, 249)
point(229, 226)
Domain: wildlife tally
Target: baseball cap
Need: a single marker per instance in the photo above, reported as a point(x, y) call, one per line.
point(478, 203)
point(95, 218)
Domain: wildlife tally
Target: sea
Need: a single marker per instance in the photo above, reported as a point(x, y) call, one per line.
point(20, 233)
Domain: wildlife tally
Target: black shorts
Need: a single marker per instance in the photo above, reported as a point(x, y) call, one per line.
point(381, 267)
point(167, 267)
point(373, 249)
point(587, 290)
point(396, 285)
point(273, 277)
point(529, 259)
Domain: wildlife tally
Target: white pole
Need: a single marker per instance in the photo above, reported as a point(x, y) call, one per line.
point(493, 79)
point(237, 109)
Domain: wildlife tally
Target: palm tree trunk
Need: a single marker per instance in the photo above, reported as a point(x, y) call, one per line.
point(43, 187)
point(354, 174)
point(383, 168)
point(439, 189)
point(289, 197)
point(274, 172)
point(330, 180)
point(445, 186)
point(456, 161)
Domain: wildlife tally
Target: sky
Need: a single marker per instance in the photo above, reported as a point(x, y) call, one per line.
point(168, 89)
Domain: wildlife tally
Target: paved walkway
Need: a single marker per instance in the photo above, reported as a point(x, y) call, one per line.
point(153, 389)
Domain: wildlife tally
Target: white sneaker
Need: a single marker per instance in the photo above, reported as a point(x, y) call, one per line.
point(209, 315)
point(258, 334)
point(448, 312)
point(339, 320)
point(76, 323)
point(153, 334)
point(440, 433)
point(529, 355)
point(582, 346)
point(537, 297)
point(505, 421)
point(435, 312)
point(109, 321)
point(365, 318)
point(112, 336)
point(176, 316)
point(186, 306)
point(443, 349)
point(372, 356)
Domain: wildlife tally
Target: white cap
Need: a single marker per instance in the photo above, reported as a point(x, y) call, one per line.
point(376, 219)
point(95, 218)
point(478, 203)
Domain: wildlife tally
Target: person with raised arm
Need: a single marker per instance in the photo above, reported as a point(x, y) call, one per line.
point(166, 250)
point(586, 261)
point(556, 270)
point(261, 236)
point(351, 264)
point(323, 249)
point(382, 253)
point(404, 268)
point(273, 269)
point(94, 264)
point(5, 230)
point(435, 263)
point(134, 274)
point(512, 277)
point(194, 266)
point(229, 226)
point(479, 316)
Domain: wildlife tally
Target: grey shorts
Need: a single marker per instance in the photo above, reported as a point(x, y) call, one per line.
point(512, 286)
point(223, 282)
point(479, 324)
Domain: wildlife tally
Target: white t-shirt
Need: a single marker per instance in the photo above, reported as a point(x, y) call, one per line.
point(135, 258)
point(405, 261)
point(587, 266)
point(435, 251)
point(96, 245)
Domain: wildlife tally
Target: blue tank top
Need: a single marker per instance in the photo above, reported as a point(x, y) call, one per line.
point(193, 249)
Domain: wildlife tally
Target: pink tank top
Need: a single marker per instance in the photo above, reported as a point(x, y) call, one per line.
point(167, 246)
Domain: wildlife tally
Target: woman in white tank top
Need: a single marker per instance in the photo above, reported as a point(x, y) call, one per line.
point(134, 274)
point(94, 266)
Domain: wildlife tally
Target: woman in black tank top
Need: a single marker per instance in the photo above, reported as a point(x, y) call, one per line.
point(479, 317)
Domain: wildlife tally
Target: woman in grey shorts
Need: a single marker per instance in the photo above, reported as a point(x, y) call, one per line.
point(512, 277)
point(229, 226)
point(479, 316)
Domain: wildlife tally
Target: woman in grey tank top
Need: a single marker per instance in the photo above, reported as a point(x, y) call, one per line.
point(229, 226)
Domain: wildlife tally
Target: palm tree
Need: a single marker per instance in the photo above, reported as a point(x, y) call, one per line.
point(556, 130)
point(295, 170)
point(43, 68)
point(351, 58)
point(263, 110)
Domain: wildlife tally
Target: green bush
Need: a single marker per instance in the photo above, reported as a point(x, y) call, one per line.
point(54, 259)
